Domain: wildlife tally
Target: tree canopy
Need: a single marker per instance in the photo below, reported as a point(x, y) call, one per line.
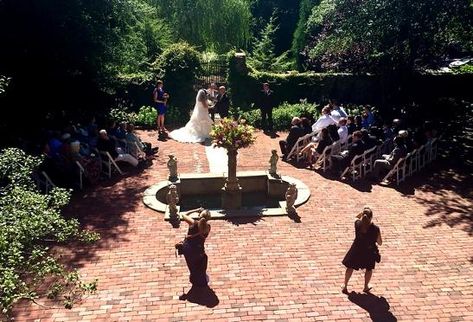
point(377, 35)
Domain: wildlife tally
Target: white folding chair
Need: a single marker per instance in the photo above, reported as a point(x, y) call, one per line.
point(109, 163)
point(324, 158)
point(81, 174)
point(368, 160)
point(421, 157)
point(355, 168)
point(336, 147)
point(43, 181)
point(399, 170)
point(413, 162)
point(433, 147)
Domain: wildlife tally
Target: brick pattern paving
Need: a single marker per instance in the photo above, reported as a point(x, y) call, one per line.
point(274, 268)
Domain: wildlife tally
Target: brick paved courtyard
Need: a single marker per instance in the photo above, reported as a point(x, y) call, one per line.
point(275, 268)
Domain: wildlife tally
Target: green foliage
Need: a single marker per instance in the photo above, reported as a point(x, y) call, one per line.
point(179, 66)
point(177, 115)
point(122, 114)
point(287, 13)
point(283, 114)
point(217, 25)
point(146, 116)
point(300, 34)
point(387, 35)
point(263, 56)
point(464, 69)
point(4, 81)
point(30, 223)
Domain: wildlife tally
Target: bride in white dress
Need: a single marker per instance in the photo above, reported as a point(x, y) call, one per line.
point(199, 126)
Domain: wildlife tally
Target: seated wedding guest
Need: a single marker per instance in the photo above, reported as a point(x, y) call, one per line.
point(368, 117)
point(396, 126)
point(294, 134)
point(388, 133)
point(337, 108)
point(405, 136)
point(325, 120)
point(106, 144)
point(333, 132)
point(343, 130)
point(344, 159)
point(358, 122)
point(351, 126)
point(388, 161)
point(313, 150)
point(55, 144)
point(136, 147)
point(91, 164)
point(305, 124)
point(369, 141)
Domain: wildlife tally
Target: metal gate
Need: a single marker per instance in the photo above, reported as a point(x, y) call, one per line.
point(214, 71)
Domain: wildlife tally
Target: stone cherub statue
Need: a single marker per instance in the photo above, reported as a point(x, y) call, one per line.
point(172, 198)
point(273, 162)
point(172, 166)
point(291, 196)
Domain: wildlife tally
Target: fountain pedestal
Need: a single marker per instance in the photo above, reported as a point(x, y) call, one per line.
point(231, 191)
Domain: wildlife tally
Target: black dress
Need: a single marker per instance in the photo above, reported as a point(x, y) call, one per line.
point(196, 259)
point(362, 251)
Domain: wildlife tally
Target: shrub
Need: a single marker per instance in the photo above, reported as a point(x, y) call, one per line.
point(177, 116)
point(146, 116)
point(179, 66)
point(122, 114)
point(30, 223)
point(283, 114)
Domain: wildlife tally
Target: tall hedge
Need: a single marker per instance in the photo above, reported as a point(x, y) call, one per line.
point(179, 65)
point(381, 90)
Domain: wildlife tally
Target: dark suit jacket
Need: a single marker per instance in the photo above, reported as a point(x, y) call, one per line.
point(294, 134)
point(267, 101)
point(223, 104)
point(356, 148)
point(108, 146)
point(398, 152)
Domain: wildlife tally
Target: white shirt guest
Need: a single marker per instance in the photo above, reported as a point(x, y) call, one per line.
point(343, 130)
point(325, 120)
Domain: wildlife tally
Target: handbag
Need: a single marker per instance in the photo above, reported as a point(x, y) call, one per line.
point(179, 248)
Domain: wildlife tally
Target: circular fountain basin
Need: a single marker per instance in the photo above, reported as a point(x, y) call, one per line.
point(263, 194)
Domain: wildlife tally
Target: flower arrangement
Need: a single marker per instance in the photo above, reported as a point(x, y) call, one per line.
point(230, 134)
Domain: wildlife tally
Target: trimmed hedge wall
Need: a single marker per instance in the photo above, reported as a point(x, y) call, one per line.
point(382, 91)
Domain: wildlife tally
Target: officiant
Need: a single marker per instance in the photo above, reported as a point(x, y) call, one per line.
point(223, 102)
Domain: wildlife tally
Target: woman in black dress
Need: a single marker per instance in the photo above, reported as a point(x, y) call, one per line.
point(363, 252)
point(193, 247)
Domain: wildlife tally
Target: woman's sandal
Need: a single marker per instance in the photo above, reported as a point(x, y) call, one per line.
point(344, 290)
point(367, 289)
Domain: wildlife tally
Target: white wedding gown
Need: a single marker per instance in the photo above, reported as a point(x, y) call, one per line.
point(199, 126)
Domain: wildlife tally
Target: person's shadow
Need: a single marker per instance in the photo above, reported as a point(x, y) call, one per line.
point(377, 307)
point(201, 295)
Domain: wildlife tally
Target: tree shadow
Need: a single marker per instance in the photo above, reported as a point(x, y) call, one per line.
point(204, 296)
point(377, 307)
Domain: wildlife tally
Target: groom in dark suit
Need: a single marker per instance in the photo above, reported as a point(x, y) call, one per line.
point(223, 102)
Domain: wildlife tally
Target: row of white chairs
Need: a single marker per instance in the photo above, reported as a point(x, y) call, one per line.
point(414, 161)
